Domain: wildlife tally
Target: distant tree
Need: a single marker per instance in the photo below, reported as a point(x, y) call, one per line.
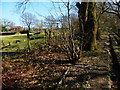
point(109, 22)
point(39, 24)
point(28, 20)
point(50, 21)
point(63, 21)
point(112, 7)
point(4, 24)
point(109, 15)
point(105, 12)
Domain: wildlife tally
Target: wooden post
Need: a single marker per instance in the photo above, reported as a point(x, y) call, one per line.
point(28, 38)
point(46, 34)
point(9, 43)
point(3, 44)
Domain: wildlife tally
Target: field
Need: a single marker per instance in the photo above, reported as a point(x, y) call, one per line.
point(21, 44)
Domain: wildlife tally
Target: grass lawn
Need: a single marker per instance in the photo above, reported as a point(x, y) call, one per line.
point(22, 45)
point(12, 38)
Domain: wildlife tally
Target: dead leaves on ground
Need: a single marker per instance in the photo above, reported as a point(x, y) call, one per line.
point(44, 71)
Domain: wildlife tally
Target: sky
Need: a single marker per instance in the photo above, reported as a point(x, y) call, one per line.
point(41, 10)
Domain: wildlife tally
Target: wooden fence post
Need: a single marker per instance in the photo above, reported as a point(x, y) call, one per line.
point(3, 44)
point(9, 43)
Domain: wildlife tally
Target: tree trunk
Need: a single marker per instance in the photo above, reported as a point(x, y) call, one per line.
point(28, 38)
point(88, 24)
point(91, 28)
point(82, 14)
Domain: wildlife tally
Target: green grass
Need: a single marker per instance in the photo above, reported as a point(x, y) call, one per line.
point(38, 35)
point(90, 53)
point(12, 38)
point(117, 50)
point(22, 45)
point(15, 47)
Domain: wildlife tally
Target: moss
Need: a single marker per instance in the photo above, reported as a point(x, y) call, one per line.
point(117, 50)
point(90, 53)
point(91, 28)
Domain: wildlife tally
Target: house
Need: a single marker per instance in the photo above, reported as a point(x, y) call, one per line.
point(16, 28)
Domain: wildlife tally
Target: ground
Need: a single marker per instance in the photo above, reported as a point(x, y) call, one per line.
point(47, 70)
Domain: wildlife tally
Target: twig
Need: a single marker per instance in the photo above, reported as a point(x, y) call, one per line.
point(62, 78)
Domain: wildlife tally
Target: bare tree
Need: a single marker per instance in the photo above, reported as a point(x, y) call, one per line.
point(65, 37)
point(4, 23)
point(39, 24)
point(112, 6)
point(51, 21)
point(28, 20)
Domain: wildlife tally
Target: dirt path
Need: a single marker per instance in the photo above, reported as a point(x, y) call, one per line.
point(94, 71)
